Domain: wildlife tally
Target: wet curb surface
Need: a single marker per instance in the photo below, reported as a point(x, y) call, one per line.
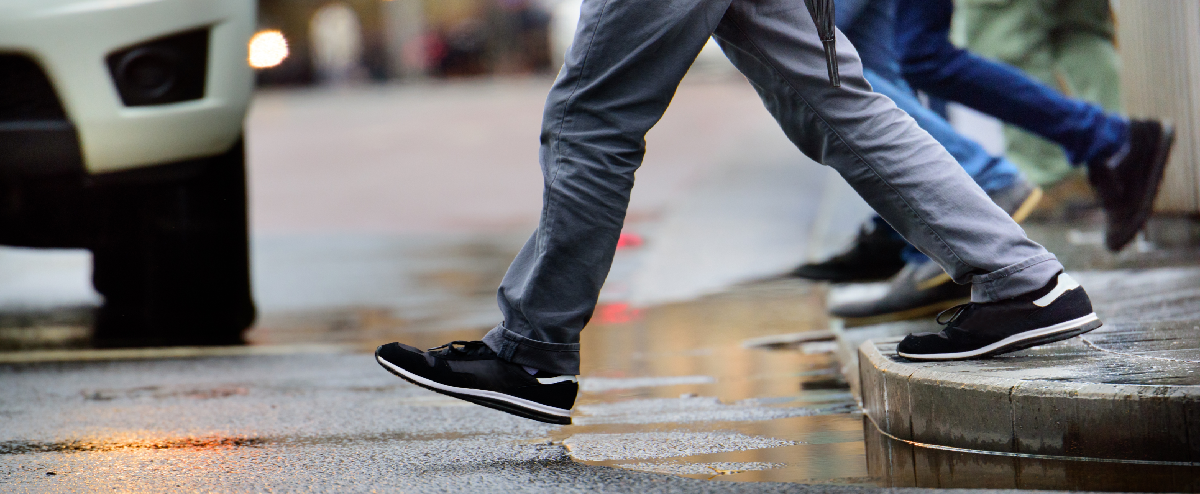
point(959, 405)
point(1121, 402)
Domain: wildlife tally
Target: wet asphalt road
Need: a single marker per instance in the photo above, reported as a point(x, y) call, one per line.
point(296, 423)
point(331, 419)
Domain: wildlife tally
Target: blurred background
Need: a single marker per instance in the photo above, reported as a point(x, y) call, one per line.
point(211, 212)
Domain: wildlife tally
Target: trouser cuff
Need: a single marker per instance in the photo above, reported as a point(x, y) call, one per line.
point(559, 358)
point(1015, 280)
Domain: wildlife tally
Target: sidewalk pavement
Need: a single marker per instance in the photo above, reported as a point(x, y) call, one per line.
point(1115, 409)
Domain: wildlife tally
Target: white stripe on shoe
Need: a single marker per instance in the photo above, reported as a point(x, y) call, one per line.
point(1065, 284)
point(481, 393)
point(1062, 327)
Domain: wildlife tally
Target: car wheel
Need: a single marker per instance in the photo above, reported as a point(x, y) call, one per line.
point(172, 260)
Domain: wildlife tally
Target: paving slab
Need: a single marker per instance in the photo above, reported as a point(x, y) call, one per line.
point(1126, 395)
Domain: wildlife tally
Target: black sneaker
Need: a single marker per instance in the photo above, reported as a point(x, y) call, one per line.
point(1127, 184)
point(874, 255)
point(921, 289)
point(470, 371)
point(1057, 311)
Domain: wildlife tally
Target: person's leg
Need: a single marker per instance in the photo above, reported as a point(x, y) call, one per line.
point(1125, 159)
point(1085, 52)
point(991, 173)
point(905, 175)
point(868, 24)
point(873, 260)
point(627, 58)
point(621, 73)
point(930, 63)
point(911, 181)
point(919, 290)
point(1019, 33)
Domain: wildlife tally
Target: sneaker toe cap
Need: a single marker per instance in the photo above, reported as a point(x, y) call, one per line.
point(921, 343)
point(402, 355)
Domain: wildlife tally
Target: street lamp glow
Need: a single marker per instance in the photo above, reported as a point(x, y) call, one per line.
point(267, 49)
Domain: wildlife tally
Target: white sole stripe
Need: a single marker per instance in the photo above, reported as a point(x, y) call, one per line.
point(1017, 338)
point(481, 393)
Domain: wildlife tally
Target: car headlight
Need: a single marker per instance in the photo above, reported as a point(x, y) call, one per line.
point(267, 49)
point(163, 70)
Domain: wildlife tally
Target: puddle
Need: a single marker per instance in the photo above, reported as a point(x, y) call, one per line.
point(898, 463)
point(689, 409)
point(645, 445)
point(37, 329)
point(107, 445)
point(710, 469)
point(159, 393)
point(140, 441)
point(601, 384)
point(677, 391)
point(670, 389)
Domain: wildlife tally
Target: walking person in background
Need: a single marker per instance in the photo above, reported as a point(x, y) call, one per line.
point(880, 251)
point(1069, 45)
point(627, 59)
point(1125, 159)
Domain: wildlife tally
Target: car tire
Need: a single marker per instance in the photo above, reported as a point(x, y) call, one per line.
point(171, 258)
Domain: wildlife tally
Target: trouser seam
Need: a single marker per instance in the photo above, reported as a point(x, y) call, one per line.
point(767, 61)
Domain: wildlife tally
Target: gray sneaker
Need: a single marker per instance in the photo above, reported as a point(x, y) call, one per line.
point(921, 289)
point(924, 289)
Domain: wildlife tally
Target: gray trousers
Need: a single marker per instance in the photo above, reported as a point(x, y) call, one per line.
point(626, 61)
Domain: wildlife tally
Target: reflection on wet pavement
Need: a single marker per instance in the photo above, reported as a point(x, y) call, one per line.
point(900, 463)
point(679, 374)
point(673, 391)
point(676, 391)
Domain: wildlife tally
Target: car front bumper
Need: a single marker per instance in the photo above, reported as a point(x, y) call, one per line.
point(70, 40)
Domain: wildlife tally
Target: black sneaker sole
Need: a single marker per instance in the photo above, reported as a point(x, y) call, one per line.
point(1117, 240)
point(1019, 341)
point(491, 399)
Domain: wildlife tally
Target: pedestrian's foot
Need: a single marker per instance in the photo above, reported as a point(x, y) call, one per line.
point(874, 255)
point(1128, 183)
point(1057, 311)
point(923, 289)
point(919, 290)
point(1018, 199)
point(471, 371)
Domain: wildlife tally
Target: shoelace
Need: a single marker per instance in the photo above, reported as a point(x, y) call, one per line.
point(955, 312)
point(460, 346)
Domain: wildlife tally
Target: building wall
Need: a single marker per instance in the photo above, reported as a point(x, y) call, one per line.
point(1160, 56)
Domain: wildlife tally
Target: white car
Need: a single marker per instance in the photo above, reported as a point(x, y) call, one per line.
point(121, 132)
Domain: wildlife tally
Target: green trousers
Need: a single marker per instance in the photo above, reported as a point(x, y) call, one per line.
point(1067, 44)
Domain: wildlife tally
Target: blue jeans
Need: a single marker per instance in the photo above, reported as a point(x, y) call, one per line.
point(932, 64)
point(622, 70)
point(869, 26)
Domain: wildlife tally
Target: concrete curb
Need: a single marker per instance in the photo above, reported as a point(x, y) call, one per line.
point(955, 407)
